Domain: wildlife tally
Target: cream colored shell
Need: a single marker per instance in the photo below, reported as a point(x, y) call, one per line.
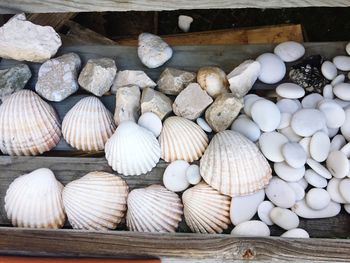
point(28, 125)
point(88, 125)
point(132, 150)
point(96, 201)
point(205, 209)
point(153, 209)
point(182, 139)
point(34, 200)
point(233, 165)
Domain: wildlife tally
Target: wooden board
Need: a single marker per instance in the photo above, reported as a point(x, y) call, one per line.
point(56, 20)
point(35, 6)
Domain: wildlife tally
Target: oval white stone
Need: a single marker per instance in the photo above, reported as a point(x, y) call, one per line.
point(264, 210)
point(151, 122)
point(273, 68)
point(280, 193)
point(271, 145)
point(294, 154)
point(310, 101)
point(344, 189)
point(253, 228)
point(315, 179)
point(338, 164)
point(174, 177)
point(328, 92)
point(337, 142)
point(266, 115)
point(298, 190)
point(248, 103)
point(345, 128)
point(290, 134)
point(338, 79)
point(347, 208)
point(342, 63)
point(303, 210)
point(319, 146)
point(347, 48)
point(319, 168)
point(288, 173)
point(288, 105)
point(289, 51)
point(204, 125)
point(329, 70)
point(285, 120)
point(246, 127)
point(334, 114)
point(305, 143)
point(290, 91)
point(342, 91)
point(317, 198)
point(284, 218)
point(303, 183)
point(332, 132)
point(192, 174)
point(334, 192)
point(346, 149)
point(306, 122)
point(296, 233)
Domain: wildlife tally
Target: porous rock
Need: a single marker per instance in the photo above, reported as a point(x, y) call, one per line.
point(132, 78)
point(127, 104)
point(156, 102)
point(172, 81)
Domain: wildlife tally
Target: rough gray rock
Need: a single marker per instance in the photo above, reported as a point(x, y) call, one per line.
point(132, 78)
point(22, 40)
point(57, 77)
point(127, 104)
point(191, 102)
point(156, 102)
point(13, 79)
point(97, 75)
point(172, 81)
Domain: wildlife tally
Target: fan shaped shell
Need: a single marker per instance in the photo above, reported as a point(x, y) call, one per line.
point(96, 201)
point(233, 165)
point(88, 125)
point(153, 209)
point(182, 139)
point(132, 150)
point(205, 209)
point(34, 200)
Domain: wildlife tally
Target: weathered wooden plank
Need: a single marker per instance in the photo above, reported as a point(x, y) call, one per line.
point(35, 6)
point(56, 20)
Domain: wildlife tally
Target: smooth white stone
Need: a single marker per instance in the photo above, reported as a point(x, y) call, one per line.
point(203, 124)
point(296, 233)
point(266, 115)
point(345, 128)
point(272, 69)
point(264, 210)
point(303, 183)
point(248, 103)
point(338, 79)
point(246, 127)
point(304, 211)
point(271, 145)
point(305, 143)
point(315, 179)
point(334, 114)
point(298, 190)
point(243, 208)
point(344, 189)
point(284, 218)
point(285, 120)
point(332, 132)
point(306, 122)
point(337, 142)
point(290, 134)
point(288, 173)
point(151, 122)
point(174, 177)
point(329, 70)
point(347, 208)
point(319, 168)
point(290, 91)
point(319, 146)
point(294, 154)
point(347, 48)
point(192, 174)
point(342, 63)
point(280, 193)
point(328, 92)
point(342, 91)
point(253, 228)
point(251, 95)
point(288, 105)
point(317, 198)
point(184, 22)
point(338, 164)
point(346, 150)
point(310, 101)
point(334, 192)
point(289, 51)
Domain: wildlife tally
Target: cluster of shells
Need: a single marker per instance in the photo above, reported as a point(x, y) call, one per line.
point(211, 183)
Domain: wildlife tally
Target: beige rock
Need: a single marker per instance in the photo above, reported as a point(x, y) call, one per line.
point(213, 80)
point(127, 104)
point(223, 111)
point(191, 102)
point(22, 40)
point(97, 75)
point(132, 78)
point(172, 81)
point(156, 102)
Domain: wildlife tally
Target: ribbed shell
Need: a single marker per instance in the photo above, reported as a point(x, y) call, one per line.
point(88, 125)
point(34, 200)
point(205, 209)
point(153, 209)
point(28, 125)
point(182, 139)
point(233, 165)
point(132, 150)
point(96, 201)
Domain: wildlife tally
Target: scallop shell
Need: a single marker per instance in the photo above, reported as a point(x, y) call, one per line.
point(233, 165)
point(153, 209)
point(88, 125)
point(132, 150)
point(28, 125)
point(182, 139)
point(35, 200)
point(205, 209)
point(96, 201)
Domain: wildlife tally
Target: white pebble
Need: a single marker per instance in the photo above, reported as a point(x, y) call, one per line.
point(288, 173)
point(272, 69)
point(338, 79)
point(337, 142)
point(271, 145)
point(344, 189)
point(338, 164)
point(346, 150)
point(342, 63)
point(303, 183)
point(306, 122)
point(288, 106)
point(290, 91)
point(192, 174)
point(253, 228)
point(347, 208)
point(345, 128)
point(304, 211)
point(315, 179)
point(204, 125)
point(151, 122)
point(329, 70)
point(342, 103)
point(294, 154)
point(248, 103)
point(319, 168)
point(319, 146)
point(266, 115)
point(284, 218)
point(310, 101)
point(246, 127)
point(290, 134)
point(174, 177)
point(296, 233)
point(243, 208)
point(317, 198)
point(347, 48)
point(289, 51)
point(298, 190)
point(328, 92)
point(334, 192)
point(332, 132)
point(280, 193)
point(305, 143)
point(184, 22)
point(264, 210)
point(285, 120)
point(334, 114)
point(342, 91)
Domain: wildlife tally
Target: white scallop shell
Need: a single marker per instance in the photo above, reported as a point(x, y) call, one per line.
point(205, 209)
point(182, 139)
point(132, 150)
point(28, 125)
point(153, 209)
point(96, 201)
point(233, 165)
point(88, 125)
point(35, 200)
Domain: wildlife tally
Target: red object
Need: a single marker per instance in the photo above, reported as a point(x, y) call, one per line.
point(12, 259)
